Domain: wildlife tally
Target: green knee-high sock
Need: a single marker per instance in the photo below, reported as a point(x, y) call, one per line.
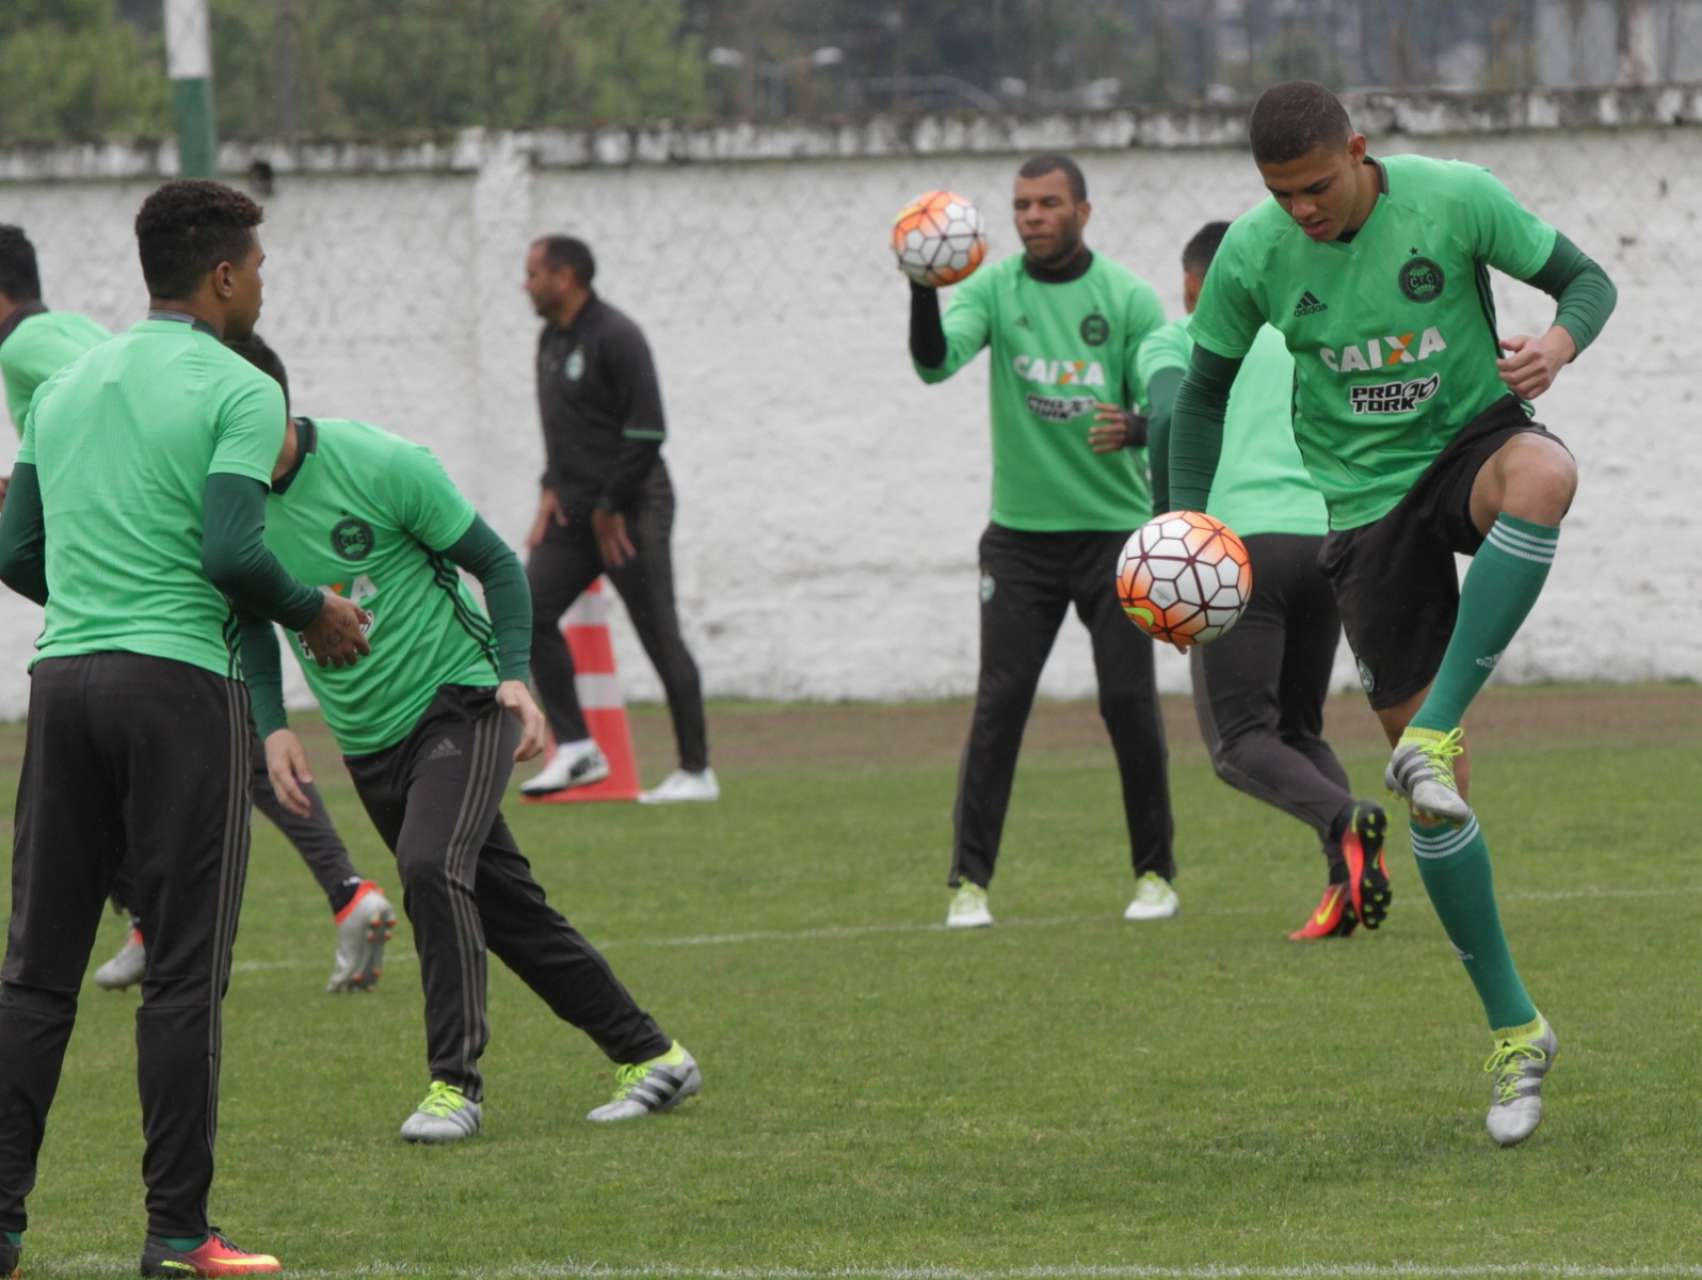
point(1454, 865)
point(1504, 581)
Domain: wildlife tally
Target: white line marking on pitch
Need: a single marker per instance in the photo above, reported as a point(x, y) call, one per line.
point(91, 1264)
point(828, 932)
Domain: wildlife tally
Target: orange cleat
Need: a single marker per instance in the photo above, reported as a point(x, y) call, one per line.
point(214, 1256)
point(1332, 918)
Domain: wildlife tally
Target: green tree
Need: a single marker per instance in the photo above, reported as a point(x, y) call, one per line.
point(73, 69)
point(372, 67)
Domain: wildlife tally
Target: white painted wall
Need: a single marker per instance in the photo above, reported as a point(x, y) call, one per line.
point(829, 503)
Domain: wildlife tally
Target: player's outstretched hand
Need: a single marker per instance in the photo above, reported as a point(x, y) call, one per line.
point(1115, 428)
point(337, 637)
point(286, 766)
point(1531, 364)
point(515, 698)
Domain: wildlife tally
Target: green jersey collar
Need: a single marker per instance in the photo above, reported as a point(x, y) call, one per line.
point(306, 440)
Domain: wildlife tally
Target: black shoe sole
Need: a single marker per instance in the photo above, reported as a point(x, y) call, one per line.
point(1373, 893)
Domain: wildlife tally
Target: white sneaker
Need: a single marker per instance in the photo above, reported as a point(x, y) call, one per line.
point(446, 1115)
point(968, 908)
point(1154, 899)
point(680, 786)
point(568, 767)
point(1515, 1102)
point(127, 967)
point(364, 925)
point(644, 1088)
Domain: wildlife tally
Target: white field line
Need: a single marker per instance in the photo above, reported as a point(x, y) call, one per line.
point(90, 1264)
point(399, 956)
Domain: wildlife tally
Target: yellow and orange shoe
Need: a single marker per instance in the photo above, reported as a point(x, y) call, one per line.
point(1367, 873)
point(1333, 917)
point(214, 1256)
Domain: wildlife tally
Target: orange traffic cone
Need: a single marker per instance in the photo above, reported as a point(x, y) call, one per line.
point(585, 627)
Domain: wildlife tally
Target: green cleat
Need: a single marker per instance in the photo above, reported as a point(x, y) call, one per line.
point(1421, 772)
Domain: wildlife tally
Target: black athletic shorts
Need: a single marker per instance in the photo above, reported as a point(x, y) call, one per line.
point(1394, 579)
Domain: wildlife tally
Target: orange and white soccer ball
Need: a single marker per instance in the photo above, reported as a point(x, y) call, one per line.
point(1184, 577)
point(938, 239)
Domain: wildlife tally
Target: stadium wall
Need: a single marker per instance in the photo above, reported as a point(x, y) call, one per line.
point(829, 503)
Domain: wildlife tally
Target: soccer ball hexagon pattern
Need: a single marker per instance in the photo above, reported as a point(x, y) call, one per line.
point(1184, 577)
point(938, 239)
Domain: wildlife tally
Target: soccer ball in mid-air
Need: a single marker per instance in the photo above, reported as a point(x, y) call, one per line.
point(1184, 577)
point(938, 239)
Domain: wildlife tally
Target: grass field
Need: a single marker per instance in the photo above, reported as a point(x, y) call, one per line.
point(1063, 1095)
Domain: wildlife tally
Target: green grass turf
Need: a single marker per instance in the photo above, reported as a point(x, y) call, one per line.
point(1064, 1090)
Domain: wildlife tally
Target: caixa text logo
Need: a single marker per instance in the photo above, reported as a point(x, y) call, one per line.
point(1381, 353)
point(1059, 373)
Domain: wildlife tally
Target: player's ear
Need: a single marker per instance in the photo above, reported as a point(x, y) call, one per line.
point(1356, 146)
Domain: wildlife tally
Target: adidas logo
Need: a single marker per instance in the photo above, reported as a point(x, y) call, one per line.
point(1309, 305)
point(444, 750)
point(1488, 663)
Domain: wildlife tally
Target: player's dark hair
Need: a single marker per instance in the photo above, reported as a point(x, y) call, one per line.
point(1056, 162)
point(20, 280)
point(186, 228)
point(570, 252)
point(1289, 120)
point(259, 353)
point(1198, 252)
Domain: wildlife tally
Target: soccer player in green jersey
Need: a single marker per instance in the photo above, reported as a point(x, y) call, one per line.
point(1412, 413)
point(1062, 325)
point(136, 516)
point(1259, 690)
point(35, 344)
point(430, 729)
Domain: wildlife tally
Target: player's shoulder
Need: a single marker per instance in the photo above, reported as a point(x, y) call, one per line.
point(1426, 183)
point(1258, 235)
point(353, 437)
point(993, 276)
point(1123, 279)
point(227, 372)
point(610, 320)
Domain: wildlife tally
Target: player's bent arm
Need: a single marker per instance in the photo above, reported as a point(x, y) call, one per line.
point(941, 345)
point(1196, 427)
point(235, 558)
point(507, 597)
point(1585, 292)
point(23, 536)
point(1161, 396)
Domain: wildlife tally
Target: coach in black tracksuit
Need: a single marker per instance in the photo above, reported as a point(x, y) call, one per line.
point(606, 503)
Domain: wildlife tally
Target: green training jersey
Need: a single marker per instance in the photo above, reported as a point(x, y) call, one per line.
point(122, 441)
point(40, 346)
point(1393, 332)
point(369, 515)
point(1261, 485)
point(1057, 350)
